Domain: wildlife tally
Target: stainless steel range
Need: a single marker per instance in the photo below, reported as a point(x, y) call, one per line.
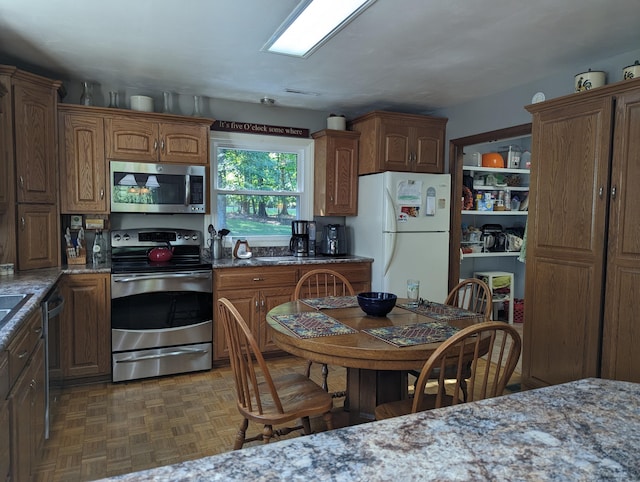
point(161, 303)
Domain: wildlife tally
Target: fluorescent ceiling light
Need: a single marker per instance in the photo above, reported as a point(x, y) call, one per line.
point(312, 23)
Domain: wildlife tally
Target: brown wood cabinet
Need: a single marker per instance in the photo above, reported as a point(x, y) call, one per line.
point(83, 167)
point(27, 133)
point(35, 139)
point(148, 139)
point(6, 147)
point(5, 419)
point(255, 291)
point(391, 141)
point(85, 326)
point(583, 244)
point(335, 173)
point(37, 237)
point(26, 398)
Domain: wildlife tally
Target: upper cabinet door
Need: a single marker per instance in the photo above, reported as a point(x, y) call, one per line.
point(132, 140)
point(395, 146)
point(83, 169)
point(335, 173)
point(180, 142)
point(429, 149)
point(35, 144)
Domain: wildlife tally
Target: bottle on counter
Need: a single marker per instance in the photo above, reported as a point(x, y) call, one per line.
point(99, 248)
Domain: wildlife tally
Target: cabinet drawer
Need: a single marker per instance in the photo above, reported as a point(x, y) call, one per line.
point(23, 345)
point(254, 278)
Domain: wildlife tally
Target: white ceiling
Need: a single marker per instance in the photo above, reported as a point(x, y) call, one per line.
point(414, 55)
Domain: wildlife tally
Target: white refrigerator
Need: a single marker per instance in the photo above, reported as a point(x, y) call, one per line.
point(403, 224)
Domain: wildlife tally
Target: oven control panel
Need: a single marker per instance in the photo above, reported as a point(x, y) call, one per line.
point(152, 237)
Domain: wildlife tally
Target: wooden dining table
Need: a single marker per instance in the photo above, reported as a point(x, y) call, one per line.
point(376, 369)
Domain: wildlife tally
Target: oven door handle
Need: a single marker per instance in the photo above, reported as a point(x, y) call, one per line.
point(143, 277)
point(163, 355)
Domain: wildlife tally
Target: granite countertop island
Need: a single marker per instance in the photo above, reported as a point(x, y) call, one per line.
point(585, 430)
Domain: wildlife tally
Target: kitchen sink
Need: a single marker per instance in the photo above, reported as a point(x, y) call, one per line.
point(10, 304)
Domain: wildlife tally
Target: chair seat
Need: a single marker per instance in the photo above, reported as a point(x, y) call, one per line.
point(300, 397)
point(403, 407)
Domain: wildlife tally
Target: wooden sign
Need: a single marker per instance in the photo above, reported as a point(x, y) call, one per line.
point(264, 129)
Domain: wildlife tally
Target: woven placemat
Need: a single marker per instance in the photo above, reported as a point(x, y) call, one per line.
point(438, 311)
point(313, 324)
point(417, 334)
point(331, 302)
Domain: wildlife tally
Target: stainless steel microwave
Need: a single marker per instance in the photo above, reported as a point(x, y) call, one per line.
point(141, 187)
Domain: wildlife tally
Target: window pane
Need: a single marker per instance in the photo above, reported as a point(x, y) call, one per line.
point(246, 170)
point(256, 215)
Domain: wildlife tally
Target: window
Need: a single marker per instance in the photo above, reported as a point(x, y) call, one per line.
point(260, 184)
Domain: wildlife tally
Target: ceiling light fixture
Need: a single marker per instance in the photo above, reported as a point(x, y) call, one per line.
point(267, 101)
point(311, 24)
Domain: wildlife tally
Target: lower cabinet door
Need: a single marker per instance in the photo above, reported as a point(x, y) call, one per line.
point(85, 326)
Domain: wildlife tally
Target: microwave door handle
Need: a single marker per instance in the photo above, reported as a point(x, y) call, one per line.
point(187, 190)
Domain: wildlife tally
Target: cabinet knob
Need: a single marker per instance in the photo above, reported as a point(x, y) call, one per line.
point(155, 145)
point(23, 223)
point(21, 182)
point(101, 193)
point(162, 145)
point(258, 279)
point(600, 192)
point(23, 354)
point(613, 192)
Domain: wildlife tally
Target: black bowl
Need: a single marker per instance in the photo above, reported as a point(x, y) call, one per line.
point(376, 303)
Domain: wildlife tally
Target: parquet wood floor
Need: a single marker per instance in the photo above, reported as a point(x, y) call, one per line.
point(109, 429)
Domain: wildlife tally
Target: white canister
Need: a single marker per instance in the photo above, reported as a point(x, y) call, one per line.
point(631, 71)
point(589, 80)
point(336, 122)
point(142, 103)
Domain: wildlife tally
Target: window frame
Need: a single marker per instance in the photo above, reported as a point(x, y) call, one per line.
point(238, 140)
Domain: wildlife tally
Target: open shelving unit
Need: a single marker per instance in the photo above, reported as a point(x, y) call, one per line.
point(465, 265)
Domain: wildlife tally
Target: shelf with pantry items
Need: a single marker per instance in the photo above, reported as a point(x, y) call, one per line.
point(495, 191)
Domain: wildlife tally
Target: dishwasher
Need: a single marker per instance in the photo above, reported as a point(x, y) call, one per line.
point(52, 306)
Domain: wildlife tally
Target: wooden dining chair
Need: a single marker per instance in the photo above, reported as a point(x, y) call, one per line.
point(471, 294)
point(261, 398)
point(491, 349)
point(319, 283)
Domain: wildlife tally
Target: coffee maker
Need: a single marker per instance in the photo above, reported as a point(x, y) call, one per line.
point(299, 243)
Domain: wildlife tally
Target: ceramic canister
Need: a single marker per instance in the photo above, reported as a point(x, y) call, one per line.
point(631, 71)
point(589, 80)
point(336, 122)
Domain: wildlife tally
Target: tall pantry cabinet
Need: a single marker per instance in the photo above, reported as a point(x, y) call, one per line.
point(583, 240)
point(28, 160)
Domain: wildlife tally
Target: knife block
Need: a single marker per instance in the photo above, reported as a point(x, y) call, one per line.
point(76, 258)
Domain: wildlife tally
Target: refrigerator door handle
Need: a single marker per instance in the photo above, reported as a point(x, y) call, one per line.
point(389, 253)
point(391, 221)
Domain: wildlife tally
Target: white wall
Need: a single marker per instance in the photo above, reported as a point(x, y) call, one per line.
point(506, 109)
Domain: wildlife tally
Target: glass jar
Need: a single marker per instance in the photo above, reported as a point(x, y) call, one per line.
point(87, 94)
point(113, 99)
point(166, 106)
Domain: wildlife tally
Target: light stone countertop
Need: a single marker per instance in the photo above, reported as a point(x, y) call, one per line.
point(586, 430)
point(38, 283)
